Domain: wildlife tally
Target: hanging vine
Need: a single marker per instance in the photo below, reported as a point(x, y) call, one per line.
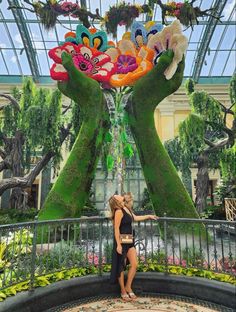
point(118, 149)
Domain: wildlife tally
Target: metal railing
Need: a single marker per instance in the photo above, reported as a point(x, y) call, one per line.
point(38, 248)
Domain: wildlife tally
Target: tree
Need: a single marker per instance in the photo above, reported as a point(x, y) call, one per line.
point(32, 122)
point(204, 134)
point(227, 186)
point(180, 162)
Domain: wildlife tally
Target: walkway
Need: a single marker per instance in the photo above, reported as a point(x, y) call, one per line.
point(142, 304)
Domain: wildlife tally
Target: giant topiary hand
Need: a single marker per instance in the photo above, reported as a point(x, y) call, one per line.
point(167, 192)
point(70, 191)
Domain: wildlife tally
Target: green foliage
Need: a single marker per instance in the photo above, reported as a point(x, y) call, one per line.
point(9, 216)
point(11, 115)
point(189, 86)
point(128, 150)
point(47, 279)
point(110, 162)
point(174, 150)
point(213, 212)
point(227, 186)
point(10, 123)
point(192, 256)
point(90, 206)
point(108, 252)
point(39, 120)
point(191, 133)
point(227, 164)
point(118, 141)
point(232, 91)
point(13, 246)
point(146, 203)
point(108, 137)
point(36, 119)
point(27, 99)
point(207, 107)
point(64, 254)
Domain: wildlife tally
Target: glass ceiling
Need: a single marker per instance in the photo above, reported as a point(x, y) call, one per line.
point(24, 43)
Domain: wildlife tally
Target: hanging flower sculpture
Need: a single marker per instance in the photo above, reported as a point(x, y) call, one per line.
point(91, 62)
point(123, 14)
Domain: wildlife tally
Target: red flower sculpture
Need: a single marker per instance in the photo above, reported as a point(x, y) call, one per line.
point(92, 62)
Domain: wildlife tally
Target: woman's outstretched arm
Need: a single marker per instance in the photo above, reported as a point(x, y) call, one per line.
point(145, 217)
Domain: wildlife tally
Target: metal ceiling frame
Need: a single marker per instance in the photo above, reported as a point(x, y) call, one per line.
point(206, 39)
point(24, 33)
point(220, 43)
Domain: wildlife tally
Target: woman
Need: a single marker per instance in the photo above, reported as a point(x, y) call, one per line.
point(124, 254)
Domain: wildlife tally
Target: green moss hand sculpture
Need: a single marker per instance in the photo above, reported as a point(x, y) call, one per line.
point(70, 192)
point(153, 63)
point(166, 190)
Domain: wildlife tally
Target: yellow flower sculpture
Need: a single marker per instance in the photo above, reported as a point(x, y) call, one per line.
point(132, 64)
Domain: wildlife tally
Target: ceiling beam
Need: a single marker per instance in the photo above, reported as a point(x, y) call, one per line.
point(27, 42)
point(75, 22)
point(206, 39)
point(47, 80)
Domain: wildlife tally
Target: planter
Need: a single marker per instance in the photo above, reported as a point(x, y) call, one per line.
point(58, 293)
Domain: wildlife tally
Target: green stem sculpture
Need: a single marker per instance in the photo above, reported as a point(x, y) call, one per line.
point(70, 191)
point(167, 191)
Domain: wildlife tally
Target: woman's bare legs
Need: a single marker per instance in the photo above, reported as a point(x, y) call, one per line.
point(132, 256)
point(121, 280)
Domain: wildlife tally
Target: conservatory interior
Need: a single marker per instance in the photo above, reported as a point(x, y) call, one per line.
point(109, 108)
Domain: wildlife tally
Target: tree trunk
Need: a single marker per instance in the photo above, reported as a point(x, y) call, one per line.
point(18, 199)
point(202, 184)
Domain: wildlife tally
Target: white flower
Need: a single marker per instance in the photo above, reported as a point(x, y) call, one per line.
point(170, 37)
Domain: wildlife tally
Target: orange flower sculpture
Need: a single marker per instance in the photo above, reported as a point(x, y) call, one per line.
point(132, 64)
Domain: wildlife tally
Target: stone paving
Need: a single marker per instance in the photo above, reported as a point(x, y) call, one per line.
point(142, 304)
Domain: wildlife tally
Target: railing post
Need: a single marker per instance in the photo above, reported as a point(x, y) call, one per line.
point(32, 273)
point(165, 239)
point(100, 247)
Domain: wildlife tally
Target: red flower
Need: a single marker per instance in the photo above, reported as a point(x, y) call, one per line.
point(177, 13)
point(92, 62)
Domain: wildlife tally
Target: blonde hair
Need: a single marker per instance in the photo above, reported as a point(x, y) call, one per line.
point(114, 204)
point(129, 200)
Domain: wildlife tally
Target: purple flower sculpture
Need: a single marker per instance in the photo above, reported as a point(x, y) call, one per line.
point(126, 64)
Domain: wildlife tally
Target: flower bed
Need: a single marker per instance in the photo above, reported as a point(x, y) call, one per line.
point(66, 274)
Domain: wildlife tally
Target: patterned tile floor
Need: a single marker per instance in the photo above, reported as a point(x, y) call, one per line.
point(148, 303)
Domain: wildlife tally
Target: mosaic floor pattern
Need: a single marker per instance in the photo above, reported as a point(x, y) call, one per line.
point(142, 304)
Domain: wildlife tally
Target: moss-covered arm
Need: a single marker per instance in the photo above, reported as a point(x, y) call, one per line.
point(71, 189)
point(167, 191)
